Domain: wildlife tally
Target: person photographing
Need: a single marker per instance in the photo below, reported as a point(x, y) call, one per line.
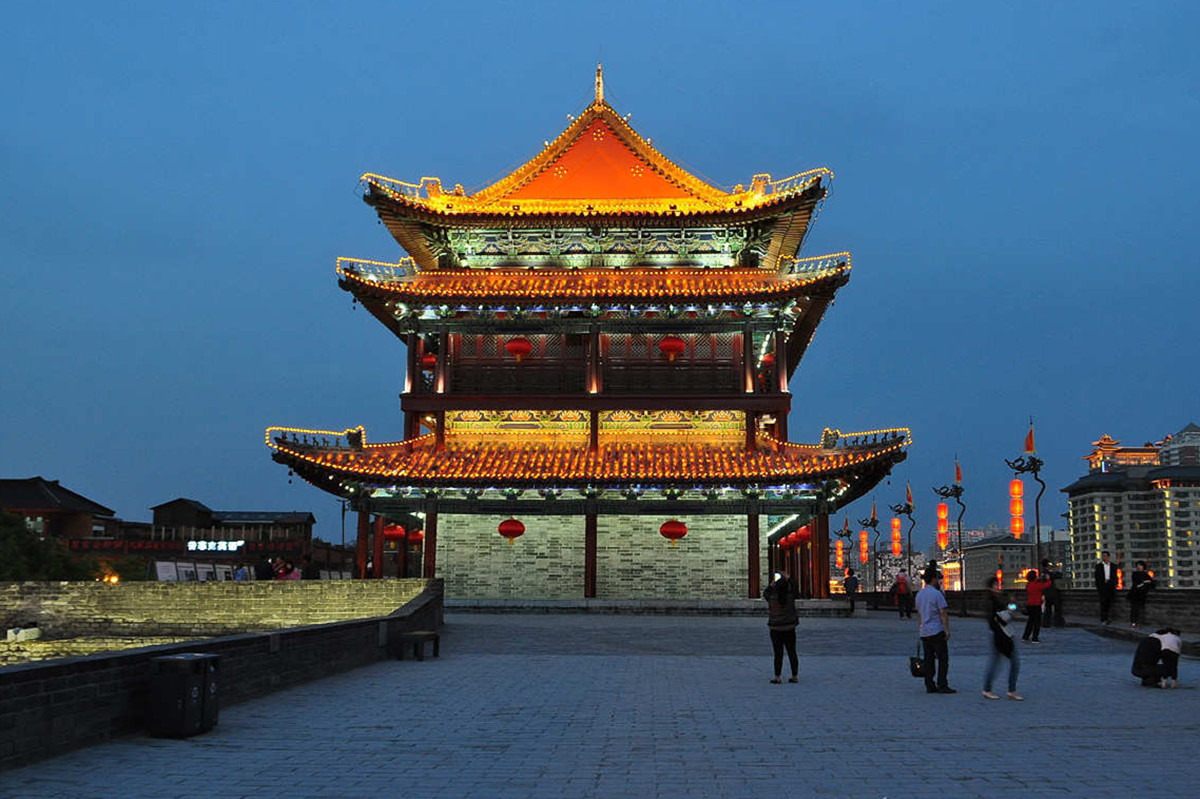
point(782, 621)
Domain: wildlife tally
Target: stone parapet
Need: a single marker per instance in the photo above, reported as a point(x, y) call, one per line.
point(88, 609)
point(50, 707)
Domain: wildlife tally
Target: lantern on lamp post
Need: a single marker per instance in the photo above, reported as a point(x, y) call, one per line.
point(897, 538)
point(905, 509)
point(955, 492)
point(1029, 463)
point(871, 523)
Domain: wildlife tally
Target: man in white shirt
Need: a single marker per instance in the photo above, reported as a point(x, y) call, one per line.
point(933, 612)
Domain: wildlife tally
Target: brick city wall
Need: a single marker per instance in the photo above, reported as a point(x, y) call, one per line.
point(632, 560)
point(53, 707)
point(68, 610)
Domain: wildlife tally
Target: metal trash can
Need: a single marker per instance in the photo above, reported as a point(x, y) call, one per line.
point(184, 697)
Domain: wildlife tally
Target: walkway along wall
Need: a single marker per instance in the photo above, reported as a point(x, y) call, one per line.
point(48, 708)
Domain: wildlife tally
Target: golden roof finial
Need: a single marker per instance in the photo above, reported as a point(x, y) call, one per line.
point(599, 82)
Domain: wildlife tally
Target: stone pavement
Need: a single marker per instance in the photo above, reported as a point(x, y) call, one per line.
point(652, 706)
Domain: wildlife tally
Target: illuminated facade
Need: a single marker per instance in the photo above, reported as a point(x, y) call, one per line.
point(1140, 503)
point(598, 343)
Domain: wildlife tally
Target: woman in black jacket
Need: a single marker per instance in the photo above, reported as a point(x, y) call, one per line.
point(782, 620)
point(1003, 645)
point(1143, 583)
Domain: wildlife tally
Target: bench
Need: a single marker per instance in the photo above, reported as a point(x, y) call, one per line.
point(417, 639)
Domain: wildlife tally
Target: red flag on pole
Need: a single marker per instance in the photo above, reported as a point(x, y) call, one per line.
point(1029, 447)
point(908, 493)
point(957, 472)
point(873, 516)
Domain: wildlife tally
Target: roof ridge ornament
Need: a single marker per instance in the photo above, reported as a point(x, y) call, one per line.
point(599, 82)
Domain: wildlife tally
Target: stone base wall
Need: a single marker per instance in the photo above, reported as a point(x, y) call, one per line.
point(51, 707)
point(632, 560)
point(68, 610)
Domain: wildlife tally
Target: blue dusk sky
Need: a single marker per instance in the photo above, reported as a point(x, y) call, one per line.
point(1015, 182)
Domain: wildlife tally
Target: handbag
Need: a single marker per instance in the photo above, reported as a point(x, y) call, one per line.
point(916, 664)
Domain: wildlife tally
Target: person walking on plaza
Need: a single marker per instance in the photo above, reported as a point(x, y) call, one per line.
point(1106, 585)
point(1052, 613)
point(1141, 585)
point(904, 597)
point(782, 621)
point(851, 586)
point(1034, 589)
point(1003, 645)
point(934, 617)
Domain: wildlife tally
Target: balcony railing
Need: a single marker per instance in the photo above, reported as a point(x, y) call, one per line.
point(818, 263)
point(377, 271)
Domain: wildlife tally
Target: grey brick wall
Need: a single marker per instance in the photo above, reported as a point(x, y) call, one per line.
point(632, 560)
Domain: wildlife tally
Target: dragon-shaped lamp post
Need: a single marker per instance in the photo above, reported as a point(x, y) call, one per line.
point(906, 509)
point(873, 523)
point(955, 492)
point(1030, 463)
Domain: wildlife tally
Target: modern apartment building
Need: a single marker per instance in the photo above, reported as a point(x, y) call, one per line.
point(1140, 503)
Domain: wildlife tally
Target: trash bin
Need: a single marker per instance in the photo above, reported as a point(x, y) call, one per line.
point(184, 698)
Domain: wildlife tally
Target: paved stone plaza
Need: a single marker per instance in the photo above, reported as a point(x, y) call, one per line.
point(654, 706)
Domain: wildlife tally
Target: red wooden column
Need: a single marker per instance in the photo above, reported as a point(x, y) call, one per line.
point(751, 431)
point(781, 361)
point(439, 431)
point(747, 358)
point(594, 430)
point(752, 566)
point(360, 545)
point(821, 556)
point(430, 543)
point(589, 556)
point(401, 558)
point(378, 556)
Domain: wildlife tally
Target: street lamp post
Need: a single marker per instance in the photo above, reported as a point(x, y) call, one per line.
point(955, 492)
point(1032, 464)
point(906, 509)
point(873, 523)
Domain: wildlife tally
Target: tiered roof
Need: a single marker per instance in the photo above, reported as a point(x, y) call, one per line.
point(587, 286)
point(512, 459)
point(598, 172)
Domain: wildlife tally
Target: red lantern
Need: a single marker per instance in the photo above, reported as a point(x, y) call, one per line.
point(897, 545)
point(393, 532)
point(788, 541)
point(841, 562)
point(672, 346)
point(999, 578)
point(1016, 507)
point(768, 359)
point(1120, 581)
point(428, 361)
point(518, 347)
point(863, 546)
point(416, 536)
point(943, 525)
point(673, 530)
point(803, 535)
point(512, 529)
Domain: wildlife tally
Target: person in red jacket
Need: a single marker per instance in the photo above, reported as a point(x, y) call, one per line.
point(1033, 605)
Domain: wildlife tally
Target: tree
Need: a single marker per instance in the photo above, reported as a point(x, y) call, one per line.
point(24, 556)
